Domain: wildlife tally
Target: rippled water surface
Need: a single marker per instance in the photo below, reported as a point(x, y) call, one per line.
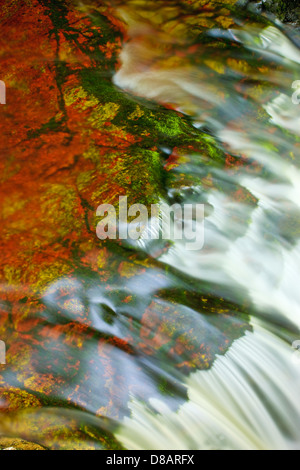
point(147, 344)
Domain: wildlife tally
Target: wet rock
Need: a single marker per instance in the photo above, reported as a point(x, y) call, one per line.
point(17, 444)
point(286, 10)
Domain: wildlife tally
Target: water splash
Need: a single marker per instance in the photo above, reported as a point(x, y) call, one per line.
point(248, 400)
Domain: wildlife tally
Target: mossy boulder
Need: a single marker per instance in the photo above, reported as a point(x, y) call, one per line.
point(7, 443)
point(286, 10)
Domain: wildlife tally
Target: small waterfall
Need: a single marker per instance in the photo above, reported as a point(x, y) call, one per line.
point(247, 401)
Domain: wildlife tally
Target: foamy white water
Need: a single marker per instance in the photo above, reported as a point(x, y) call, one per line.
point(250, 397)
point(248, 401)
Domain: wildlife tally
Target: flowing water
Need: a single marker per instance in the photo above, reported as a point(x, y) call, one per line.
point(150, 345)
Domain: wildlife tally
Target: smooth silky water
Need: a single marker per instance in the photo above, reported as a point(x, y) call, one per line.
point(200, 343)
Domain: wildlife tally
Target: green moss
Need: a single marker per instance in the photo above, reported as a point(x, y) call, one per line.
point(141, 170)
point(53, 125)
point(156, 125)
point(286, 10)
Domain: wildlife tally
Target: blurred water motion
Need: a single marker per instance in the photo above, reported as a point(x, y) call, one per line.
point(149, 345)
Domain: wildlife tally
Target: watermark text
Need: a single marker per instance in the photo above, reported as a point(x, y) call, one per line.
point(2, 352)
point(2, 92)
point(165, 222)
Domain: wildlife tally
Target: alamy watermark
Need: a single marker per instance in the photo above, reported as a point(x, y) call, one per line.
point(296, 94)
point(165, 222)
point(2, 352)
point(2, 92)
